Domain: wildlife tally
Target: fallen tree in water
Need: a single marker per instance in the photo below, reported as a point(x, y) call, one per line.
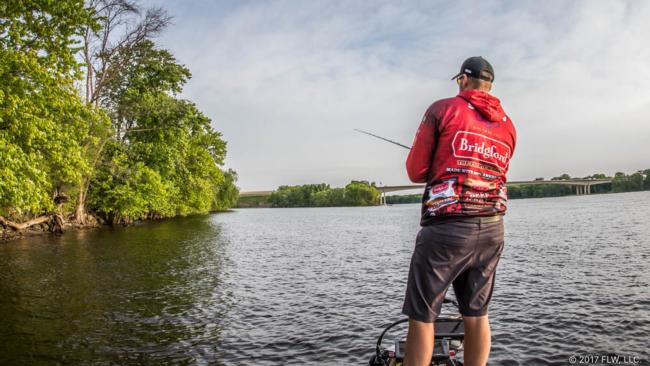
point(55, 224)
point(24, 225)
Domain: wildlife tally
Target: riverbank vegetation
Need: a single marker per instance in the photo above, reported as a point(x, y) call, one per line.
point(91, 124)
point(356, 193)
point(621, 182)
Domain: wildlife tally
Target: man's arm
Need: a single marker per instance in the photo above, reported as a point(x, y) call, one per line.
point(419, 160)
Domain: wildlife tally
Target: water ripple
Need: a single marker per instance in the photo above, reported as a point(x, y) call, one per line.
point(305, 286)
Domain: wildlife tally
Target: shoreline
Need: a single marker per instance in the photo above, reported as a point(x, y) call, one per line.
point(419, 202)
point(7, 234)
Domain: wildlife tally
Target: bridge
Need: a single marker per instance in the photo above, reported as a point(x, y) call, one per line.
point(583, 187)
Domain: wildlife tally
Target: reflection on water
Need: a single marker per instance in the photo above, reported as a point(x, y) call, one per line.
point(302, 286)
point(138, 294)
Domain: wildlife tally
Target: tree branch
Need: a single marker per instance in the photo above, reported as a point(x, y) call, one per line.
point(24, 225)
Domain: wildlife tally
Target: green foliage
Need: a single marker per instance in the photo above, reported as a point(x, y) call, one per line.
point(598, 176)
point(361, 193)
point(178, 147)
point(406, 198)
point(141, 153)
point(621, 182)
point(633, 182)
point(138, 77)
point(296, 196)
point(43, 122)
point(168, 135)
point(562, 177)
point(330, 198)
point(356, 193)
point(126, 190)
point(539, 190)
point(228, 194)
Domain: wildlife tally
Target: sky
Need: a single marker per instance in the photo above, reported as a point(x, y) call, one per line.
point(286, 82)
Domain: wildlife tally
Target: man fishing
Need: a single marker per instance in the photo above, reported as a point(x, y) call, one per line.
point(462, 151)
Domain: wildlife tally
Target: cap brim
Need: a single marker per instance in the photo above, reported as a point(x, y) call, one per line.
point(457, 75)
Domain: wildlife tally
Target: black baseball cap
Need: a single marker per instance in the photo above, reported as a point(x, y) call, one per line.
point(473, 67)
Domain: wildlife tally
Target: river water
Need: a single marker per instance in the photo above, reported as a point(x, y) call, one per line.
point(309, 285)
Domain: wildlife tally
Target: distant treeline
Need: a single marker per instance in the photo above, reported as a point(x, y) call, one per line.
point(356, 193)
point(404, 198)
point(621, 182)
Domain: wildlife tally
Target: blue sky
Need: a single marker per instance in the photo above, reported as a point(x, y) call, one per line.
point(287, 81)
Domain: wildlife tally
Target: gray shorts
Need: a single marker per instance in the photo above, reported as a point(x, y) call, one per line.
point(462, 252)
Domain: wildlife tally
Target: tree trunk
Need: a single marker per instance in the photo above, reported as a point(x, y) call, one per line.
point(80, 211)
point(57, 224)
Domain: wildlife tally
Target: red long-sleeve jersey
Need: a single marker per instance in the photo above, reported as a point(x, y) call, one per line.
point(462, 151)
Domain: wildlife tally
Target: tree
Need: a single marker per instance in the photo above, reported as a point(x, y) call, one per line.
point(147, 72)
point(620, 182)
point(299, 196)
point(322, 199)
point(356, 193)
point(105, 54)
point(228, 193)
point(409, 198)
point(42, 119)
point(636, 181)
point(127, 190)
point(163, 149)
point(562, 177)
point(599, 176)
point(176, 144)
point(360, 193)
point(131, 148)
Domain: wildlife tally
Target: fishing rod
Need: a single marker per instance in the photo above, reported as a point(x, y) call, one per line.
point(382, 138)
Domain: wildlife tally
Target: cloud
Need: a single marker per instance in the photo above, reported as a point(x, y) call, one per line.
point(286, 81)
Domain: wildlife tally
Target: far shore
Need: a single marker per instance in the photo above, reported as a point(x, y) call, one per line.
point(265, 204)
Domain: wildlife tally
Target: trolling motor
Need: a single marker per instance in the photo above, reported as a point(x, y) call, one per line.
point(448, 342)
